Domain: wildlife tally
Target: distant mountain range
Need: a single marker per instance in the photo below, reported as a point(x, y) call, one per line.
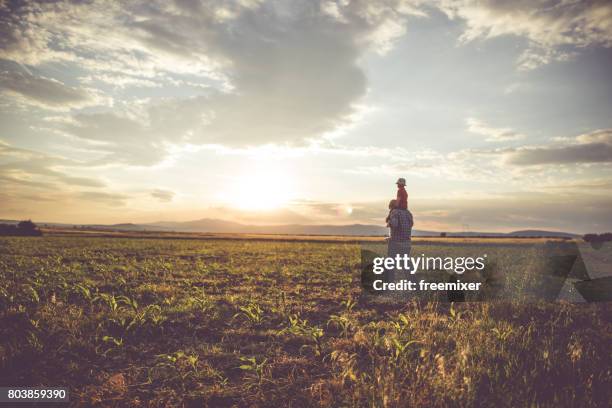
point(221, 226)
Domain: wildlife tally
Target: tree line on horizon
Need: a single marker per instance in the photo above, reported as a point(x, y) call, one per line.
point(23, 228)
point(29, 228)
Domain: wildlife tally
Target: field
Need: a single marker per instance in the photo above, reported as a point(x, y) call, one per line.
point(126, 321)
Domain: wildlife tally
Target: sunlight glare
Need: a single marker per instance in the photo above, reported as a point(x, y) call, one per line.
point(260, 190)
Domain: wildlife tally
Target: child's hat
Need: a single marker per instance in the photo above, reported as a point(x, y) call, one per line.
point(401, 181)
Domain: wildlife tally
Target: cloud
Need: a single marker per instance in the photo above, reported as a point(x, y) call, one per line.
point(280, 72)
point(164, 196)
point(272, 72)
point(63, 206)
point(594, 147)
point(30, 178)
point(331, 212)
point(122, 139)
point(113, 199)
point(30, 168)
point(526, 165)
point(517, 210)
point(591, 184)
point(20, 40)
point(45, 92)
point(462, 165)
point(142, 137)
point(492, 134)
point(120, 81)
point(554, 29)
point(598, 136)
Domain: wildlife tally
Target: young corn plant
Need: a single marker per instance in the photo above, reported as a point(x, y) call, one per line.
point(31, 294)
point(401, 347)
point(200, 301)
point(178, 365)
point(118, 342)
point(109, 300)
point(300, 327)
point(348, 304)
point(402, 325)
point(252, 313)
point(255, 369)
point(454, 315)
point(109, 343)
point(150, 315)
point(127, 302)
point(343, 322)
point(377, 334)
point(502, 334)
point(84, 291)
point(347, 364)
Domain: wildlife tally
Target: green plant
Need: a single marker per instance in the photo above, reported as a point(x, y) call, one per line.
point(110, 339)
point(300, 327)
point(31, 294)
point(400, 347)
point(109, 300)
point(343, 322)
point(183, 365)
point(502, 334)
point(126, 301)
point(257, 370)
point(401, 325)
point(252, 312)
point(349, 304)
point(84, 291)
point(202, 302)
point(454, 315)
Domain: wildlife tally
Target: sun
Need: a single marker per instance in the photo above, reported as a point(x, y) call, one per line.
point(260, 190)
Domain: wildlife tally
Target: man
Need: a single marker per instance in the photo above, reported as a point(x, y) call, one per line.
point(400, 222)
point(399, 243)
point(402, 195)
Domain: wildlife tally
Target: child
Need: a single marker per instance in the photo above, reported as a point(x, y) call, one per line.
point(402, 195)
point(400, 203)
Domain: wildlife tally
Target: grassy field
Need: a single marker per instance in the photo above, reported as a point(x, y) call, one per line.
point(235, 322)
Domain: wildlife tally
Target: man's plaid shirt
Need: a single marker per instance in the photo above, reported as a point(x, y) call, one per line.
point(400, 222)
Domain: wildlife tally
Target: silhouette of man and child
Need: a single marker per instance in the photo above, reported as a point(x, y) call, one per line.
point(400, 222)
point(400, 219)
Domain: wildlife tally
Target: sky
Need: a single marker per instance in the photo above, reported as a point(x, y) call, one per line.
point(497, 113)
